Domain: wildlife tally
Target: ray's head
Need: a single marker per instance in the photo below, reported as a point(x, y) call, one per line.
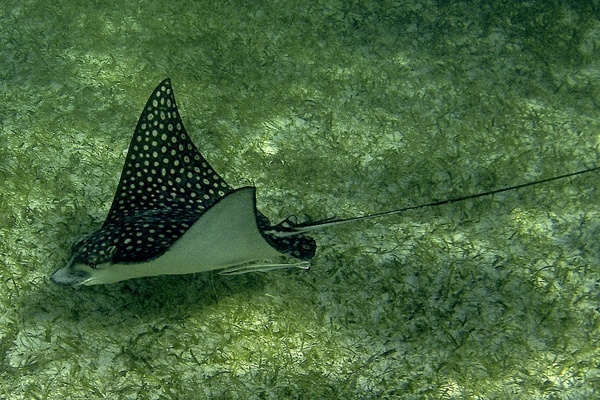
point(88, 255)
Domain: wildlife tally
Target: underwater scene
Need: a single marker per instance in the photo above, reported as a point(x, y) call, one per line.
point(322, 110)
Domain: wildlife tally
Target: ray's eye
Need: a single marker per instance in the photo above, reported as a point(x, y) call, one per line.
point(93, 265)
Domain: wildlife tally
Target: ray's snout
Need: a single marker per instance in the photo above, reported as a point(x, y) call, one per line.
point(69, 276)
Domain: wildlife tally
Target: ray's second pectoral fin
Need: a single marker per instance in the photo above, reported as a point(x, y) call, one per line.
point(246, 268)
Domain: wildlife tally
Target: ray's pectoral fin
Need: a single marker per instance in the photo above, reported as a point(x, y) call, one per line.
point(233, 235)
point(227, 234)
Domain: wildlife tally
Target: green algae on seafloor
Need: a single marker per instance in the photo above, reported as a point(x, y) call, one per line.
point(340, 108)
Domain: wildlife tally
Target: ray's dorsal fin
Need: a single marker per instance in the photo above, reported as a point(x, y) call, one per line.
point(163, 168)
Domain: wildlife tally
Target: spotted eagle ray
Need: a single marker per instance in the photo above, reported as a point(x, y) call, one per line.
point(172, 213)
